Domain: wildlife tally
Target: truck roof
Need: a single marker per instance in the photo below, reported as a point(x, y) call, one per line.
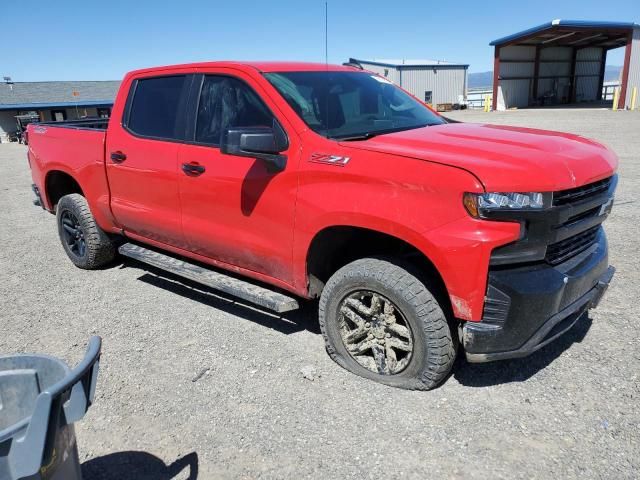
point(261, 66)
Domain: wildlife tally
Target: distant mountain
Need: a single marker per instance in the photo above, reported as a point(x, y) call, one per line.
point(611, 73)
point(485, 79)
point(480, 79)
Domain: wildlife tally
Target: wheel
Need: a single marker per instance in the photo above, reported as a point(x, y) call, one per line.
point(381, 322)
point(83, 240)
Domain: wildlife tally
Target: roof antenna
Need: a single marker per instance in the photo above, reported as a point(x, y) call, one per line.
point(326, 34)
point(326, 63)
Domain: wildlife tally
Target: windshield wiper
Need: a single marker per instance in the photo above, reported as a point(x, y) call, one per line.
point(368, 135)
point(363, 136)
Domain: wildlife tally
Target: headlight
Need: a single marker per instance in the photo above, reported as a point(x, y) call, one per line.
point(477, 204)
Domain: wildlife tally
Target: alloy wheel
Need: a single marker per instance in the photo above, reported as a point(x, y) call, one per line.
point(73, 234)
point(375, 332)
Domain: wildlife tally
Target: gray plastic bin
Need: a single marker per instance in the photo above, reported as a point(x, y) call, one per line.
point(40, 399)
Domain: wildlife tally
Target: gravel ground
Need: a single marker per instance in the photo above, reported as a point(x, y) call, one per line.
point(191, 381)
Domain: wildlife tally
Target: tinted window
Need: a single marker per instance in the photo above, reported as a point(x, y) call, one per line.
point(227, 102)
point(350, 104)
point(156, 105)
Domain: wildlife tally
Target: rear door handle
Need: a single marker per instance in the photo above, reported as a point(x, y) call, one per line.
point(193, 169)
point(118, 157)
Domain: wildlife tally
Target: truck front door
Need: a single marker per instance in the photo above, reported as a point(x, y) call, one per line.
point(142, 154)
point(234, 210)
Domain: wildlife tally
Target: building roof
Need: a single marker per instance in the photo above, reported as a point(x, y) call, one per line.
point(403, 63)
point(572, 33)
point(34, 95)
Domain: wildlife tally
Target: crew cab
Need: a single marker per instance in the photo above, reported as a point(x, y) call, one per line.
point(277, 182)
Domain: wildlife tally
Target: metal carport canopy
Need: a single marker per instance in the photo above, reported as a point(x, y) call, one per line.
point(571, 33)
point(578, 33)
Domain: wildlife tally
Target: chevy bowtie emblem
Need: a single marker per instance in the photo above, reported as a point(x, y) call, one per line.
point(329, 159)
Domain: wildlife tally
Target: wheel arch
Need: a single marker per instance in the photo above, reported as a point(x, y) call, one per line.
point(57, 184)
point(334, 246)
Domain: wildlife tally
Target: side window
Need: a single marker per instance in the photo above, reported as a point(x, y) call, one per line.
point(103, 112)
point(227, 102)
point(58, 115)
point(155, 107)
point(428, 96)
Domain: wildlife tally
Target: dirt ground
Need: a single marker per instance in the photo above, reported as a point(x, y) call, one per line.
point(195, 385)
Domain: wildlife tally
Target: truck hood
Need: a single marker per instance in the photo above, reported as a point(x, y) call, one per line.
point(503, 158)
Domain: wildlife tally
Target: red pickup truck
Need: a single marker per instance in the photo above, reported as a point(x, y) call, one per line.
point(272, 181)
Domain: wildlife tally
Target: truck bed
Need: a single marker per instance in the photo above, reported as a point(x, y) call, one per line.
point(90, 123)
point(75, 149)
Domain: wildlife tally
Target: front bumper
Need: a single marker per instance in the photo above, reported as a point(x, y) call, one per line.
point(527, 307)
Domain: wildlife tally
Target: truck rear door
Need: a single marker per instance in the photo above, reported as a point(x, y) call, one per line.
point(142, 153)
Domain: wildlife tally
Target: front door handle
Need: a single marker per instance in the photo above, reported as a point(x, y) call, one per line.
point(193, 169)
point(118, 157)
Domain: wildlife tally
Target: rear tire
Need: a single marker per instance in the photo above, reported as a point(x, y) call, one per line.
point(84, 242)
point(381, 322)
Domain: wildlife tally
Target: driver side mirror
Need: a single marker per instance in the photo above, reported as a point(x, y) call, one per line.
point(265, 143)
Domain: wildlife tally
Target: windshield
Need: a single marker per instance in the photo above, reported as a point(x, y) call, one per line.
point(341, 105)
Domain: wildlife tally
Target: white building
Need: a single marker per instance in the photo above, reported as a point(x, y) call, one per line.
point(433, 81)
point(53, 101)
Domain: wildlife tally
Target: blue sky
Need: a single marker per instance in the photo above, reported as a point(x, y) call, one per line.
point(103, 39)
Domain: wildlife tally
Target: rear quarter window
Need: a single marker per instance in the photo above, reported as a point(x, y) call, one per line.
point(155, 109)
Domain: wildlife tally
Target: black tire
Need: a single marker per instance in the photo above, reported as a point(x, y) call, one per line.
point(434, 346)
point(89, 247)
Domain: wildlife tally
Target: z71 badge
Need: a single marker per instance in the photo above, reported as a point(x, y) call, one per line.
point(329, 159)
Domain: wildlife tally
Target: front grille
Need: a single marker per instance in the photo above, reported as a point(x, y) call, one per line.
point(574, 216)
point(564, 197)
point(565, 249)
point(582, 216)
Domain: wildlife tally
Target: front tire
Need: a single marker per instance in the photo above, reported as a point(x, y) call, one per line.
point(381, 322)
point(84, 242)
